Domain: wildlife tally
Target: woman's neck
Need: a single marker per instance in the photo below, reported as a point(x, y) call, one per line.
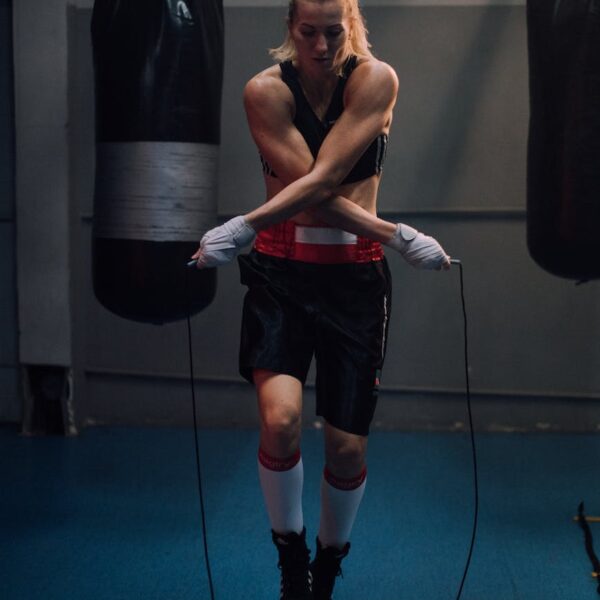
point(317, 87)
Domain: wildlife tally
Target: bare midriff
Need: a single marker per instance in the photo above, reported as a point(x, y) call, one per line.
point(363, 193)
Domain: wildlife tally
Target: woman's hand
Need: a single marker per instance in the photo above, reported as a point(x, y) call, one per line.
point(419, 250)
point(222, 244)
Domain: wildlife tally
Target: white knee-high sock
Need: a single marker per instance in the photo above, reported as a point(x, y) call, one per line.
point(340, 499)
point(281, 481)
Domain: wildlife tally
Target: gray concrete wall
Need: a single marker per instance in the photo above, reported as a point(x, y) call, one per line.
point(10, 409)
point(456, 169)
point(42, 166)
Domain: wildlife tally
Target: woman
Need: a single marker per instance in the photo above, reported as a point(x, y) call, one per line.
point(318, 281)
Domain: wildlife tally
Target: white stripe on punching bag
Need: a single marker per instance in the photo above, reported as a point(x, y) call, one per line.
point(155, 191)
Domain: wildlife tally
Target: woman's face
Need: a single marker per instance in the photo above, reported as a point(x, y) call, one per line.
point(319, 31)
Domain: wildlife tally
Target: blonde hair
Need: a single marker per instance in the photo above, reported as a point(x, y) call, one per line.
point(356, 42)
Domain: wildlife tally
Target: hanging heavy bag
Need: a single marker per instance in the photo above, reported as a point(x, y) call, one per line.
point(563, 174)
point(158, 68)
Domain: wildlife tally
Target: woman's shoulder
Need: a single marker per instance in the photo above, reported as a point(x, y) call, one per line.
point(266, 81)
point(373, 78)
point(266, 86)
point(373, 69)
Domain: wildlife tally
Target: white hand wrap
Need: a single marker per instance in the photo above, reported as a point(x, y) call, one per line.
point(221, 244)
point(421, 251)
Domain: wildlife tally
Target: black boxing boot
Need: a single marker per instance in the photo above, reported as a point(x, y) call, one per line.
point(294, 558)
point(325, 568)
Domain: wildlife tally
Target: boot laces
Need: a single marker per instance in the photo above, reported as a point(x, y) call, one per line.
point(295, 576)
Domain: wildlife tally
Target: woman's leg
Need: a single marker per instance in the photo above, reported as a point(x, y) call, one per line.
point(279, 460)
point(281, 477)
point(342, 486)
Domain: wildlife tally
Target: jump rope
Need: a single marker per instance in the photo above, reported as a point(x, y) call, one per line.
point(454, 261)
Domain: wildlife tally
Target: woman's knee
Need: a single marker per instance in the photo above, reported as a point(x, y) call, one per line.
point(346, 454)
point(280, 433)
point(280, 421)
point(280, 405)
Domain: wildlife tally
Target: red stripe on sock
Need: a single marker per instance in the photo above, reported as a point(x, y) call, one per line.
point(344, 484)
point(278, 464)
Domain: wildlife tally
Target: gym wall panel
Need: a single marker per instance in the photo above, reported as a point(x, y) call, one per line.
point(6, 115)
point(10, 409)
point(9, 372)
point(8, 338)
point(41, 182)
point(461, 118)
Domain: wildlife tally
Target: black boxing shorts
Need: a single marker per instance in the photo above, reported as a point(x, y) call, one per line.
point(339, 313)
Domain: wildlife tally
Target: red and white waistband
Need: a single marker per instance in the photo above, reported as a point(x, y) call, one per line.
point(316, 244)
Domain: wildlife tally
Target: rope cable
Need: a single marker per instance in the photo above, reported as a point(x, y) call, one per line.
point(196, 445)
point(471, 432)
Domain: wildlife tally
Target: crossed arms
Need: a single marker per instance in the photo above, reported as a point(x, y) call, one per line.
point(311, 184)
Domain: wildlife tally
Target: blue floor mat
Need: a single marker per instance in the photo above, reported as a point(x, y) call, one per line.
point(114, 514)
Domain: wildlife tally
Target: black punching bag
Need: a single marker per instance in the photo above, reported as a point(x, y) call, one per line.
point(563, 173)
point(158, 68)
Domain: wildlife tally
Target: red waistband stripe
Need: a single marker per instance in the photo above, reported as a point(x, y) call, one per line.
point(316, 244)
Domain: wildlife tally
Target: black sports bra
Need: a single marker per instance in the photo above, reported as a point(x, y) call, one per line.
point(314, 130)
